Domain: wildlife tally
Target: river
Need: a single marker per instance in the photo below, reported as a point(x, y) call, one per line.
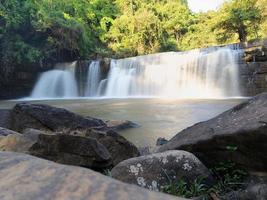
point(157, 117)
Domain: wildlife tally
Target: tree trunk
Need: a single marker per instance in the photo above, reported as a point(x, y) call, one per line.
point(242, 33)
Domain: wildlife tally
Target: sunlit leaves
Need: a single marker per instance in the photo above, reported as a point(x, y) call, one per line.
point(34, 30)
point(241, 17)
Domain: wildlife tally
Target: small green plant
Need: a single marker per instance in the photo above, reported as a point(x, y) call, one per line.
point(198, 188)
point(231, 148)
point(183, 189)
point(107, 172)
point(228, 175)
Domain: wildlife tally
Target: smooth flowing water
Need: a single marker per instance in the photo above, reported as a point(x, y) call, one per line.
point(57, 83)
point(200, 73)
point(208, 73)
point(157, 117)
point(93, 79)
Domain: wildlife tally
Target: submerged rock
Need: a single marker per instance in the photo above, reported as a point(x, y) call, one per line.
point(27, 177)
point(120, 124)
point(161, 141)
point(65, 149)
point(158, 170)
point(239, 134)
point(6, 132)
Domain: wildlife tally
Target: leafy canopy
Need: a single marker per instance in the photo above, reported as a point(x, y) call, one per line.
point(34, 31)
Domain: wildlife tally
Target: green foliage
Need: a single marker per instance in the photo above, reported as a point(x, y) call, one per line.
point(201, 33)
point(229, 177)
point(107, 172)
point(148, 26)
point(32, 31)
point(183, 189)
point(241, 17)
point(262, 4)
point(231, 148)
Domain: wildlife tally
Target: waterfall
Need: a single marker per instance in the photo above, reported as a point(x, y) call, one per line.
point(58, 83)
point(201, 73)
point(101, 88)
point(93, 79)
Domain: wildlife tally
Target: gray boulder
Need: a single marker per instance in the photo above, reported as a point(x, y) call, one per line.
point(5, 118)
point(255, 188)
point(161, 141)
point(117, 125)
point(65, 149)
point(239, 134)
point(25, 177)
point(120, 149)
point(157, 170)
point(44, 117)
point(252, 192)
point(6, 132)
point(58, 120)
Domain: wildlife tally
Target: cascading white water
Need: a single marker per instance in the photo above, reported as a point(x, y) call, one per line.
point(208, 73)
point(58, 83)
point(101, 88)
point(93, 79)
point(201, 73)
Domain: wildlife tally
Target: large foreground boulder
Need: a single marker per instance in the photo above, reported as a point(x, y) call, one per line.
point(58, 120)
point(239, 134)
point(65, 149)
point(158, 170)
point(44, 117)
point(26, 177)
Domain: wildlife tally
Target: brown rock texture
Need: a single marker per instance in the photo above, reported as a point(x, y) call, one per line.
point(25, 177)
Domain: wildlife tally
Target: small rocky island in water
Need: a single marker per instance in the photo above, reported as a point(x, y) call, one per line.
point(133, 100)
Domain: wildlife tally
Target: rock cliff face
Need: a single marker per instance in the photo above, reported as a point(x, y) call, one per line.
point(81, 71)
point(253, 69)
point(16, 82)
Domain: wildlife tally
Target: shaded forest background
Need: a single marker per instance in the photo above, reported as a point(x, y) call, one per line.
point(34, 31)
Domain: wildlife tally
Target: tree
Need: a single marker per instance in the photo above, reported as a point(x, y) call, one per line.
point(14, 22)
point(262, 4)
point(149, 26)
point(36, 31)
point(200, 33)
point(239, 17)
point(33, 31)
